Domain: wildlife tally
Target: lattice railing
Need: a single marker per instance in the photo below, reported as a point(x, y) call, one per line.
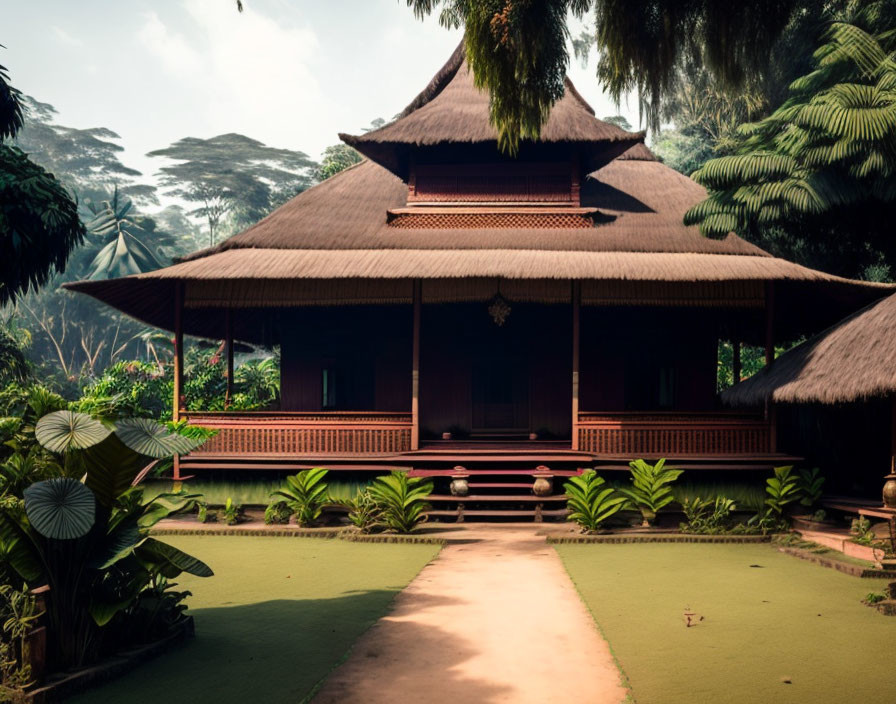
point(673, 434)
point(491, 220)
point(284, 434)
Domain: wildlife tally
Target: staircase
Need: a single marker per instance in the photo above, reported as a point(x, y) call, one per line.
point(485, 490)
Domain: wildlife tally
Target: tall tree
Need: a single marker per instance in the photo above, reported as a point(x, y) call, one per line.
point(39, 224)
point(234, 174)
point(816, 179)
point(518, 48)
point(87, 160)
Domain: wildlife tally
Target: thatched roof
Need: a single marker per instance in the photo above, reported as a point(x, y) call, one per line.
point(451, 110)
point(853, 360)
point(332, 244)
point(642, 201)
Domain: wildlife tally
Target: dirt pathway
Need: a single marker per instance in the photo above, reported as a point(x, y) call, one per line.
point(495, 618)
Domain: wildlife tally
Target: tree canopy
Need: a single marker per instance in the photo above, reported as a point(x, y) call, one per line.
point(232, 173)
point(39, 224)
point(518, 50)
point(88, 160)
point(817, 177)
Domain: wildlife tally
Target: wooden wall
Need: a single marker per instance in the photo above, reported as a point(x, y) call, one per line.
point(535, 343)
point(368, 346)
point(629, 354)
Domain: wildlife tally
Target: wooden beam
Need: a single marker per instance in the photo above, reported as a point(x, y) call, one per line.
point(415, 370)
point(769, 323)
point(576, 335)
point(735, 361)
point(228, 344)
point(178, 361)
point(178, 350)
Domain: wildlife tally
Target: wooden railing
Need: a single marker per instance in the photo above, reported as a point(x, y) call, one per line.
point(266, 434)
point(673, 434)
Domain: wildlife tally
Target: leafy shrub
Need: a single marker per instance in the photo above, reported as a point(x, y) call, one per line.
point(232, 512)
point(18, 614)
point(811, 487)
point(306, 494)
point(650, 490)
point(591, 501)
point(782, 490)
point(401, 500)
point(363, 512)
point(204, 515)
point(277, 512)
point(860, 528)
point(872, 598)
point(707, 516)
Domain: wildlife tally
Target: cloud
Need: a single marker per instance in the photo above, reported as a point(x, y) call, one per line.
point(64, 37)
point(174, 52)
point(250, 73)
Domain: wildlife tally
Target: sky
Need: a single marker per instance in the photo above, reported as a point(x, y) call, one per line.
point(291, 73)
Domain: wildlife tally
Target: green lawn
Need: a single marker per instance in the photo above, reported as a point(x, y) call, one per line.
point(782, 619)
point(277, 617)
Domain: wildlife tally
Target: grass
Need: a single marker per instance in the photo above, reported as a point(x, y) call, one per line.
point(249, 491)
point(277, 617)
point(769, 618)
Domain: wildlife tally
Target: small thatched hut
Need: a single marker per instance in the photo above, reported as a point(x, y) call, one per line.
point(845, 377)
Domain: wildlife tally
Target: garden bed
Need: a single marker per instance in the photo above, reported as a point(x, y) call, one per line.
point(61, 686)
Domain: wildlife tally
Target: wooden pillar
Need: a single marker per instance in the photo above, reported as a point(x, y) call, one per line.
point(576, 344)
point(228, 344)
point(178, 362)
point(178, 350)
point(415, 370)
point(769, 323)
point(735, 361)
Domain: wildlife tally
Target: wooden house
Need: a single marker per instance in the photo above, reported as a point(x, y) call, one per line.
point(443, 304)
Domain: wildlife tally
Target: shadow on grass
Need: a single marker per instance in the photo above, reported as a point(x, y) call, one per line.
point(272, 651)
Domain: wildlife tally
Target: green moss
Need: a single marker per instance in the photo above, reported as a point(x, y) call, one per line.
point(277, 617)
point(785, 619)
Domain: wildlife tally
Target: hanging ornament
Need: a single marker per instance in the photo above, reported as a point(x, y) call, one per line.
point(499, 309)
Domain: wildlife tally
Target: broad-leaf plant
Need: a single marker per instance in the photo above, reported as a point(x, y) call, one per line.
point(86, 535)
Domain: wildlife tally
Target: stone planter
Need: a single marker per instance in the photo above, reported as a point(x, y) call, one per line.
point(889, 492)
point(459, 485)
point(543, 484)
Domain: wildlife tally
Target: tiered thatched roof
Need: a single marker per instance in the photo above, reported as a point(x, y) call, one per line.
point(853, 360)
point(451, 110)
point(332, 245)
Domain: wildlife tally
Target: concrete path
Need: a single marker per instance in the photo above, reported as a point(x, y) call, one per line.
point(495, 618)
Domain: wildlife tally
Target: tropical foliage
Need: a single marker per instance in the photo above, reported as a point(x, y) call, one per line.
point(650, 488)
point(819, 172)
point(707, 515)
point(591, 501)
point(400, 500)
point(39, 224)
point(124, 253)
point(89, 540)
point(782, 489)
point(305, 493)
point(518, 50)
point(232, 174)
point(811, 486)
